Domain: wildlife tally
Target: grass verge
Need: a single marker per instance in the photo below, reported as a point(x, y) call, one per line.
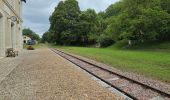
point(154, 64)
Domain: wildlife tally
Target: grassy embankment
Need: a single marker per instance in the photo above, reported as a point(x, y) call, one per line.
point(146, 59)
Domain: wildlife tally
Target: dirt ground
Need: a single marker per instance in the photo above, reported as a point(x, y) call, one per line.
point(43, 75)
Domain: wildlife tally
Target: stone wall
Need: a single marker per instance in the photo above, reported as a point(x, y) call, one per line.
point(10, 32)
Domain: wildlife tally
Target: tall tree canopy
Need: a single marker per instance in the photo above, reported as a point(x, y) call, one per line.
point(89, 23)
point(70, 26)
point(64, 22)
point(28, 32)
point(138, 20)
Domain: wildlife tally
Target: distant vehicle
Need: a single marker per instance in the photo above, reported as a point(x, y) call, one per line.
point(32, 42)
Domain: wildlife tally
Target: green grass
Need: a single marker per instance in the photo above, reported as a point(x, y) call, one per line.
point(39, 46)
point(154, 64)
point(149, 46)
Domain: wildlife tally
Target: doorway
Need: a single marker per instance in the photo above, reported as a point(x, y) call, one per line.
point(1, 36)
point(12, 34)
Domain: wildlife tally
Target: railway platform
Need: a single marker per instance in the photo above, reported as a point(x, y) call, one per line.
point(43, 75)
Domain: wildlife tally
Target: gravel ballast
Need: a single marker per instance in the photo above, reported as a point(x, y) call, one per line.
point(42, 75)
point(163, 86)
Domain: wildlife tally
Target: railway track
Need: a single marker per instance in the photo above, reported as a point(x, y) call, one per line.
point(130, 87)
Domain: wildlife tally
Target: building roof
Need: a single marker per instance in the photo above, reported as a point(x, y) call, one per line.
point(26, 36)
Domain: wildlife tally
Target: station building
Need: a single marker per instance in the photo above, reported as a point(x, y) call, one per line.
point(26, 39)
point(10, 25)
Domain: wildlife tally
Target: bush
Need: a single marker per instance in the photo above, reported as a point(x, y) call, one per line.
point(30, 48)
point(105, 41)
point(120, 44)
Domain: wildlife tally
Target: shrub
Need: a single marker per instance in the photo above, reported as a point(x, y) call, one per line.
point(105, 41)
point(30, 48)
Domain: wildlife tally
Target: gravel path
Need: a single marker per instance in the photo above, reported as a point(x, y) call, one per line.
point(42, 75)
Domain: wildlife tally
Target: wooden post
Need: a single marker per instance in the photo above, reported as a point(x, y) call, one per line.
point(130, 43)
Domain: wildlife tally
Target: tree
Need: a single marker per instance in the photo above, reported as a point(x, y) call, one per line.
point(114, 9)
point(89, 23)
point(28, 32)
point(165, 5)
point(47, 37)
point(139, 20)
point(64, 20)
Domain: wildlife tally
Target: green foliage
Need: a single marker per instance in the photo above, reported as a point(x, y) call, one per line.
point(65, 19)
point(28, 32)
point(105, 40)
point(152, 45)
point(140, 20)
point(47, 37)
point(150, 63)
point(113, 9)
point(70, 26)
point(165, 5)
point(136, 20)
point(89, 26)
point(119, 45)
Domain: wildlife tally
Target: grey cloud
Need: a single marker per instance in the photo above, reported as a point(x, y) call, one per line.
point(98, 5)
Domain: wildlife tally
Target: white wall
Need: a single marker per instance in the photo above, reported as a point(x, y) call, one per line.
point(2, 36)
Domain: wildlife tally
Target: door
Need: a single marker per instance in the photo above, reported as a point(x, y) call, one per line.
point(12, 34)
point(1, 36)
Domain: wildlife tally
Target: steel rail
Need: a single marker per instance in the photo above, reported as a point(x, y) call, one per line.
point(127, 78)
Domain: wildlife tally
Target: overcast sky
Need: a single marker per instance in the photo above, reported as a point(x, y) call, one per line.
point(36, 12)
